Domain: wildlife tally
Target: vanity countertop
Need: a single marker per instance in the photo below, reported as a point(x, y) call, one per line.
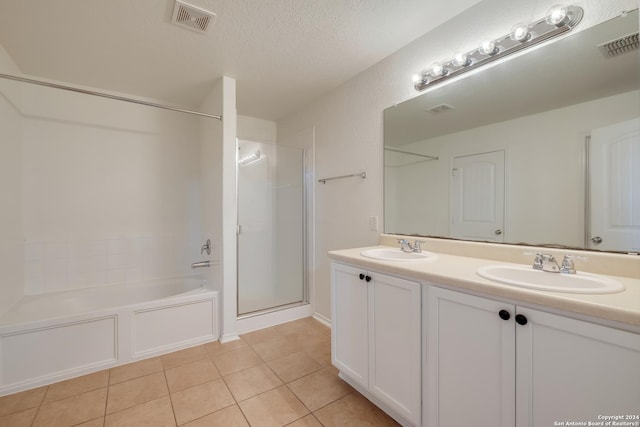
point(460, 272)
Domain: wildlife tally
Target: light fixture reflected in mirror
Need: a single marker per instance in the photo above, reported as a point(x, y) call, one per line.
point(250, 158)
point(559, 20)
point(520, 32)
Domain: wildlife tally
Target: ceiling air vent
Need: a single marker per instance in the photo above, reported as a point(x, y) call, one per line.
point(192, 17)
point(619, 46)
point(439, 108)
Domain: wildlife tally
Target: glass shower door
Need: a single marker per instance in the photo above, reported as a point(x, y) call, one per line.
point(271, 199)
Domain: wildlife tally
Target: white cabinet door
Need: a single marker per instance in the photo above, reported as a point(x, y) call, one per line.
point(349, 333)
point(394, 337)
point(571, 370)
point(470, 360)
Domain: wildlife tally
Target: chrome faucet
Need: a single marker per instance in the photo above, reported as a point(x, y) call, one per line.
point(405, 246)
point(567, 263)
point(544, 262)
point(200, 264)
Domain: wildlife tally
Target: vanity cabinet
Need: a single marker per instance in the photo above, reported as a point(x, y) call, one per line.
point(376, 336)
point(491, 363)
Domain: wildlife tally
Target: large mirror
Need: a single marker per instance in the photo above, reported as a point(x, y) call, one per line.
point(542, 149)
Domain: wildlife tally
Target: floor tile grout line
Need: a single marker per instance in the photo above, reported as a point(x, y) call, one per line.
point(166, 381)
point(35, 416)
point(295, 333)
point(106, 399)
point(234, 399)
point(33, 421)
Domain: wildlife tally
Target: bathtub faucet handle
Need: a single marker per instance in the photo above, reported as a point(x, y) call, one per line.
point(206, 247)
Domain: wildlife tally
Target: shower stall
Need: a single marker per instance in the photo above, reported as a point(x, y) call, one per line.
point(271, 227)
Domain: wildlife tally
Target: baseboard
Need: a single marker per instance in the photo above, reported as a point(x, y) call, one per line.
point(320, 318)
point(229, 337)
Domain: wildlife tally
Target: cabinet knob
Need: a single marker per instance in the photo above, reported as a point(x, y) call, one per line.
point(504, 315)
point(367, 278)
point(521, 319)
point(361, 276)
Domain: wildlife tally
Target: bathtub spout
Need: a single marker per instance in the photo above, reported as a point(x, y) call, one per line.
point(200, 264)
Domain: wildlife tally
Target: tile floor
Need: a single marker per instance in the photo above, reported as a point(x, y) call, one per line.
point(279, 376)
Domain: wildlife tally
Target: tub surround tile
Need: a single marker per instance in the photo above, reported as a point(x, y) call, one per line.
point(273, 408)
point(76, 386)
point(19, 419)
point(201, 400)
point(194, 373)
point(133, 392)
point(135, 370)
point(319, 389)
point(20, 401)
point(156, 413)
point(294, 366)
point(183, 357)
point(251, 382)
point(72, 410)
point(236, 360)
point(228, 417)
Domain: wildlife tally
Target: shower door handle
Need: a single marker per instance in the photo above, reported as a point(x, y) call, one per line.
point(239, 229)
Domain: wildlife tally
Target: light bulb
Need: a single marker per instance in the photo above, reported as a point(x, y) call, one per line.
point(461, 59)
point(557, 16)
point(520, 32)
point(437, 70)
point(488, 47)
point(420, 79)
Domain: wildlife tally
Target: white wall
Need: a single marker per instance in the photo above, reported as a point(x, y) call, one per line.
point(254, 129)
point(11, 241)
point(210, 168)
point(348, 121)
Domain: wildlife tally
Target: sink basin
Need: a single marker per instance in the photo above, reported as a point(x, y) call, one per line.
point(395, 254)
point(527, 277)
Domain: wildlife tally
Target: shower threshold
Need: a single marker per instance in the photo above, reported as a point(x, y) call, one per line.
point(271, 310)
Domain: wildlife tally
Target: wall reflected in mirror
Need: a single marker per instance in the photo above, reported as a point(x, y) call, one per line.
point(542, 149)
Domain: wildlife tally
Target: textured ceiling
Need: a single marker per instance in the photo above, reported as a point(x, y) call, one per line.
point(282, 53)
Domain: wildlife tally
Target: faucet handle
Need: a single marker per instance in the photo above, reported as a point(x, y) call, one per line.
point(416, 245)
point(567, 263)
point(405, 246)
point(537, 262)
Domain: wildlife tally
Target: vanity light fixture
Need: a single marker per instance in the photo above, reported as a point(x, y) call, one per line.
point(559, 20)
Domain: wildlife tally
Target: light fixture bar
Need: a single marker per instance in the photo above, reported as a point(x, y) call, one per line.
point(559, 20)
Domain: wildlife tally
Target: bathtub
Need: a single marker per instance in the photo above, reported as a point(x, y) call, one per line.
point(51, 337)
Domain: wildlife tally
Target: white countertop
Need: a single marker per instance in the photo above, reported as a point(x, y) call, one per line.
point(460, 272)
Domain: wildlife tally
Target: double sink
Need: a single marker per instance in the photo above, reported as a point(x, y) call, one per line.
point(515, 275)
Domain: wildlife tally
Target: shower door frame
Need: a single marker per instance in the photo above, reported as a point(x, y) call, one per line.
point(306, 181)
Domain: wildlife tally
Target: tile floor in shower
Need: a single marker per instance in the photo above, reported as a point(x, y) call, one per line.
point(279, 376)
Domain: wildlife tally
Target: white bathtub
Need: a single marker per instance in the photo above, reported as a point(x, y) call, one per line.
point(51, 337)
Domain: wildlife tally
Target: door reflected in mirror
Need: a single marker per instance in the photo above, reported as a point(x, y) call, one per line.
point(543, 149)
